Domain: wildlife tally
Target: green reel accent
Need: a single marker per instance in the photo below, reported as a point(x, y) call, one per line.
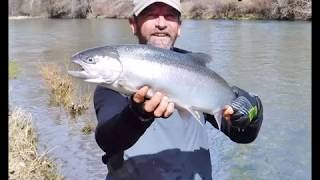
point(253, 112)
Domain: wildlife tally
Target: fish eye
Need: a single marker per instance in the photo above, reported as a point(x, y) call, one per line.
point(90, 60)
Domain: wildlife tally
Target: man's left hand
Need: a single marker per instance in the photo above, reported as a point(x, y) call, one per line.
point(243, 110)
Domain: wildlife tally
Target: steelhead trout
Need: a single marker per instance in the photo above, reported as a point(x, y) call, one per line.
point(184, 78)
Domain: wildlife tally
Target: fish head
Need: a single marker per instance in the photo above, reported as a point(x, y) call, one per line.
point(98, 65)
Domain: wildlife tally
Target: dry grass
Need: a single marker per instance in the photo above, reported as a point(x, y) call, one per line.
point(111, 8)
point(24, 160)
point(63, 90)
point(246, 9)
point(88, 128)
point(225, 9)
point(198, 9)
point(291, 9)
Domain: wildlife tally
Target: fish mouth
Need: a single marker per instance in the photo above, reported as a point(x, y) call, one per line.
point(77, 70)
point(79, 74)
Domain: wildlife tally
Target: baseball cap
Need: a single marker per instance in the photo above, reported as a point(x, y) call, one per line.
point(140, 5)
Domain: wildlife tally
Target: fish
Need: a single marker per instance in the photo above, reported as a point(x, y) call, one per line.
point(184, 78)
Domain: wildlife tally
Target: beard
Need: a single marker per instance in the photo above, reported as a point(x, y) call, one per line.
point(165, 40)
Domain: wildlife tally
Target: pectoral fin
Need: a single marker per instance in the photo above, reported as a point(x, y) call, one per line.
point(124, 85)
point(218, 117)
point(96, 80)
point(187, 112)
point(216, 113)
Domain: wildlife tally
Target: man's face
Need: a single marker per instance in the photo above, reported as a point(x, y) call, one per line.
point(157, 25)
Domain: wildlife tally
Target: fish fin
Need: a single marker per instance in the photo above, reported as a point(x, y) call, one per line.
point(124, 85)
point(96, 80)
point(201, 58)
point(186, 112)
point(218, 118)
point(217, 113)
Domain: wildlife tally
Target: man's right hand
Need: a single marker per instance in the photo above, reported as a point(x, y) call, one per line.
point(156, 106)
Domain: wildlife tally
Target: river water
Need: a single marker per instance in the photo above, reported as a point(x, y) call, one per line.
point(269, 58)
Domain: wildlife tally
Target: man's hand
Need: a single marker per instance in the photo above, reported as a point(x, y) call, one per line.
point(156, 106)
point(243, 110)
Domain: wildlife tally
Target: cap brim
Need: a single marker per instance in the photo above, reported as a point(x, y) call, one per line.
point(138, 11)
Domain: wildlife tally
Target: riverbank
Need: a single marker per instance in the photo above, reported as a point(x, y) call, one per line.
point(25, 17)
point(192, 9)
point(25, 162)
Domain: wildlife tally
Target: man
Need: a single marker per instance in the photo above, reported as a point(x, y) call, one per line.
point(144, 138)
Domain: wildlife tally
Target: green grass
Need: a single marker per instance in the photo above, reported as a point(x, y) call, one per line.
point(13, 70)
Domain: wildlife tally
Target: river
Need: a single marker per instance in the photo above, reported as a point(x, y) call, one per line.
point(269, 58)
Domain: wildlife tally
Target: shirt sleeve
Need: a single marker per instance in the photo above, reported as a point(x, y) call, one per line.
point(118, 126)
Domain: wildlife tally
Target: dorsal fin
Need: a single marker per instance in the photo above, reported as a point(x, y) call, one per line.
point(201, 58)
